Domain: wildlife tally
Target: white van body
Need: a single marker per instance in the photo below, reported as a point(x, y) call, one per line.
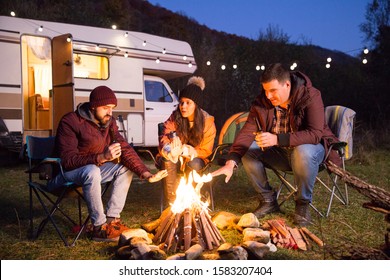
point(48, 68)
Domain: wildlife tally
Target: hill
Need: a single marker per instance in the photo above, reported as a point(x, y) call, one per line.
point(230, 90)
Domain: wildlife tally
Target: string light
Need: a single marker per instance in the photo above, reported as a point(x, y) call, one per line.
point(293, 66)
point(12, 14)
point(114, 26)
point(69, 39)
point(364, 50)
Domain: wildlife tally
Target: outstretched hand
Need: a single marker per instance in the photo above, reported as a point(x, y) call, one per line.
point(226, 170)
point(158, 176)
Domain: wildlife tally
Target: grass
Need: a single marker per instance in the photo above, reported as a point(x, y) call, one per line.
point(349, 230)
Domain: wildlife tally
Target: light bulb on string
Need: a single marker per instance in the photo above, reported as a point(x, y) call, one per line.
point(12, 14)
point(126, 34)
point(184, 57)
point(158, 60)
point(327, 66)
point(164, 51)
point(364, 61)
point(190, 65)
point(223, 66)
point(144, 43)
point(234, 66)
point(208, 63)
point(40, 29)
point(113, 26)
point(329, 59)
point(365, 51)
point(126, 54)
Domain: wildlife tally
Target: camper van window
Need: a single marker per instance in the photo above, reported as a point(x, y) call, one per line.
point(157, 92)
point(90, 66)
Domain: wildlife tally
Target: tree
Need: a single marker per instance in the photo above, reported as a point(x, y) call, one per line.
point(377, 16)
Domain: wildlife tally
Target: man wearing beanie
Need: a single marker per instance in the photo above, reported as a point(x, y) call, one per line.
point(195, 133)
point(93, 152)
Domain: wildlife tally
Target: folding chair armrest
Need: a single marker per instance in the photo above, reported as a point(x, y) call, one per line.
point(151, 155)
point(337, 146)
point(219, 148)
point(44, 172)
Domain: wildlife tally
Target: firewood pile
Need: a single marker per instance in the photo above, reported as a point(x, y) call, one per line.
point(179, 231)
point(284, 236)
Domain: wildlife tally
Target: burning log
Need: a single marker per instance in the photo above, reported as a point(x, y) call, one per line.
point(188, 223)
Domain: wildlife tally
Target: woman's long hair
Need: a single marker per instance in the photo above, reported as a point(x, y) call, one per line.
point(190, 135)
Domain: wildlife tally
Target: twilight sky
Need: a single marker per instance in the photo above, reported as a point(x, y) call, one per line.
point(331, 24)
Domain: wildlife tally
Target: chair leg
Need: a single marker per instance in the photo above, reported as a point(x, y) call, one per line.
point(291, 189)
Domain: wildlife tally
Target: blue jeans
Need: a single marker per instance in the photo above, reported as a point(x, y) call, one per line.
point(302, 160)
point(91, 178)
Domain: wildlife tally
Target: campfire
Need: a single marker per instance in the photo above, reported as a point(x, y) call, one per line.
point(188, 222)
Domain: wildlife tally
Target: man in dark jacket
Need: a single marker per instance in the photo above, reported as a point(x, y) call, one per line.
point(285, 129)
point(93, 152)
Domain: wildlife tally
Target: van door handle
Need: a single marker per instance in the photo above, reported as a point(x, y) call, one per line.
point(148, 108)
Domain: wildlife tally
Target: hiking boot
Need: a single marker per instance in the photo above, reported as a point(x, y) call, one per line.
point(109, 232)
point(302, 214)
point(266, 207)
point(116, 222)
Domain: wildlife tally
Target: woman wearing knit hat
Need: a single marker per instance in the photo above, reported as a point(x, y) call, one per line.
point(195, 132)
point(89, 145)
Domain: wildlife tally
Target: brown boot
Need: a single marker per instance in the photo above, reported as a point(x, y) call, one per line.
point(302, 214)
point(266, 206)
point(170, 182)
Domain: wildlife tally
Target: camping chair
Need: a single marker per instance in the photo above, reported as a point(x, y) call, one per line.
point(226, 138)
point(42, 167)
point(340, 120)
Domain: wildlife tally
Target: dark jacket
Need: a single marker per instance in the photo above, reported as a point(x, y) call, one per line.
point(79, 140)
point(307, 120)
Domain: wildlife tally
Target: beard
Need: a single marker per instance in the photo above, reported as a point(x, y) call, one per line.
point(103, 120)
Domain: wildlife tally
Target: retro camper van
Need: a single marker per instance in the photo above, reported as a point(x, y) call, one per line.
point(48, 68)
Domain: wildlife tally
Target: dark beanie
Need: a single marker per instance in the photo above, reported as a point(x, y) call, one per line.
point(194, 90)
point(102, 96)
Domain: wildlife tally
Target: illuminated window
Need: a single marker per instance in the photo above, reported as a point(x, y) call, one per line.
point(90, 66)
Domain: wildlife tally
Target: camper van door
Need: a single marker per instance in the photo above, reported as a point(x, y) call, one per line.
point(63, 84)
point(160, 102)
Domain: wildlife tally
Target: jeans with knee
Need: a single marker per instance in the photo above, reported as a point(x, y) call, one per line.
point(91, 178)
point(302, 160)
